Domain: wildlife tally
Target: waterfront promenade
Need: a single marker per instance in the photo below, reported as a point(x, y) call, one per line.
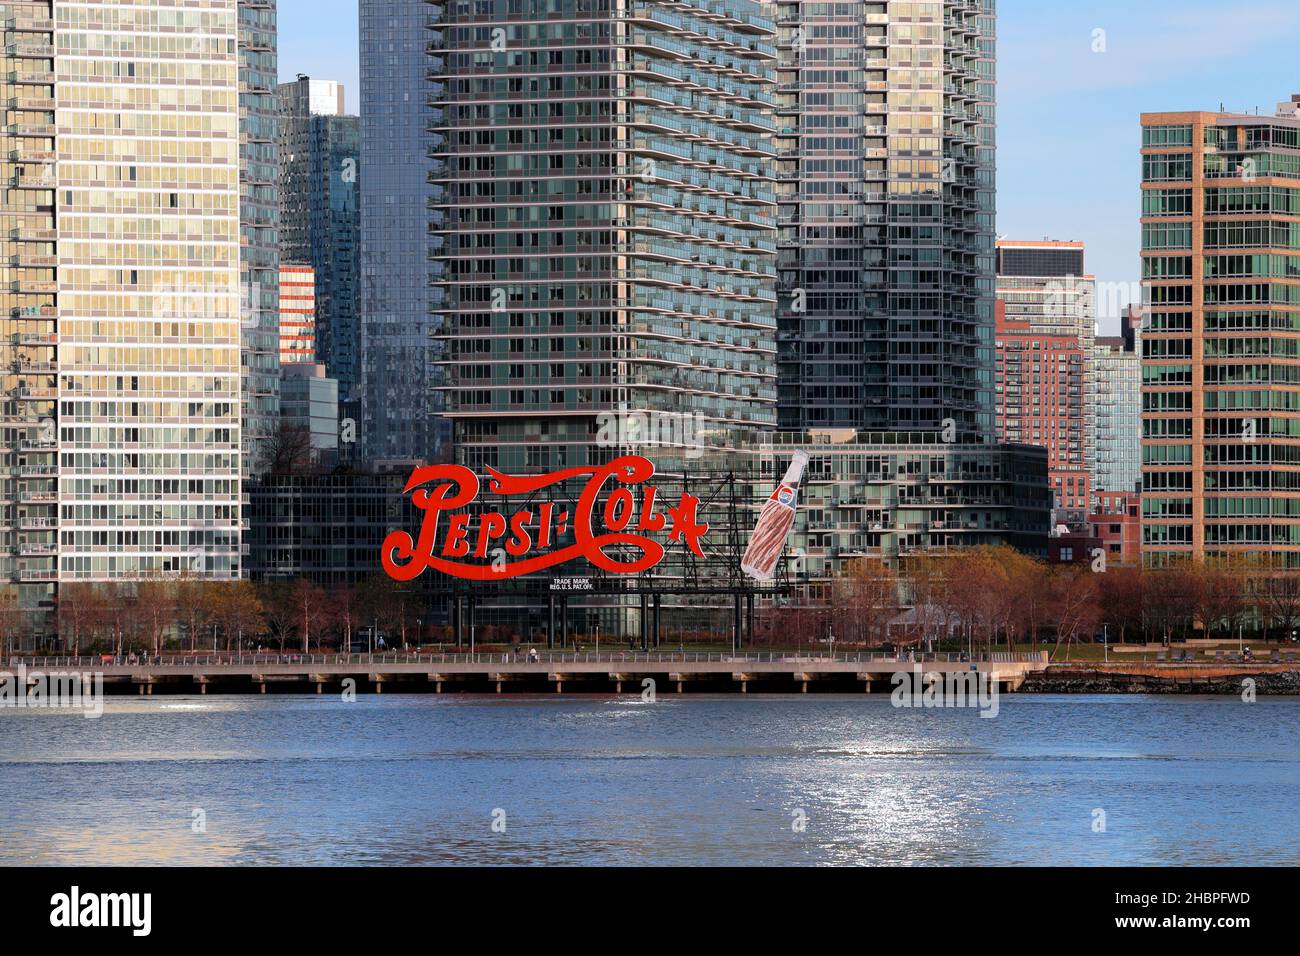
point(521, 672)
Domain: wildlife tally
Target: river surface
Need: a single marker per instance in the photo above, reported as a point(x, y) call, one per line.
point(800, 780)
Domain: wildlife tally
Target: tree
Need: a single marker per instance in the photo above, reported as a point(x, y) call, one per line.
point(1026, 598)
point(238, 611)
point(1122, 598)
point(288, 451)
point(977, 586)
point(1278, 592)
point(309, 608)
point(346, 610)
point(1074, 609)
point(80, 609)
point(116, 616)
point(382, 601)
point(155, 610)
point(277, 603)
point(926, 583)
point(194, 605)
point(12, 619)
point(865, 599)
point(1224, 592)
point(1172, 598)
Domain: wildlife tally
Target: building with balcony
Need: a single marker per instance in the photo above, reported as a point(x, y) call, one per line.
point(604, 222)
point(885, 139)
point(121, 279)
point(1220, 367)
point(896, 495)
point(1046, 329)
point(259, 224)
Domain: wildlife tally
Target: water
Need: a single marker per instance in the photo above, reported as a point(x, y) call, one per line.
point(694, 780)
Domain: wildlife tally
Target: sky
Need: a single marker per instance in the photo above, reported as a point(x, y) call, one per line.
point(1073, 79)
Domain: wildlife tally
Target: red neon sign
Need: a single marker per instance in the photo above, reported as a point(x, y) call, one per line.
point(456, 548)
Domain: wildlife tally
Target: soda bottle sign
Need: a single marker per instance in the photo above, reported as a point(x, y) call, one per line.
point(774, 524)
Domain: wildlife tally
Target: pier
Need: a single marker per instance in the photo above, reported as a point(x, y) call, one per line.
point(515, 672)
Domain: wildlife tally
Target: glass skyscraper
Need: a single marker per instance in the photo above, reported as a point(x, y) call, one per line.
point(399, 81)
point(886, 137)
point(1116, 400)
point(320, 155)
point(259, 223)
point(605, 225)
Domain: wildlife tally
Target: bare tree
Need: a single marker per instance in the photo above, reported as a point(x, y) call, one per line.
point(80, 608)
point(346, 608)
point(309, 608)
point(1278, 593)
point(288, 451)
point(154, 610)
point(194, 605)
point(238, 610)
point(865, 599)
point(1074, 608)
point(1121, 597)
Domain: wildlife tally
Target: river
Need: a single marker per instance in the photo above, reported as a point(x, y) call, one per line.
point(801, 780)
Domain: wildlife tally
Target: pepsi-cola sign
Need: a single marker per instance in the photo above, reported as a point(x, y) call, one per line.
point(485, 544)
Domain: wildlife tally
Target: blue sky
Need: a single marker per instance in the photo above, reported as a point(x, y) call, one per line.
point(1068, 117)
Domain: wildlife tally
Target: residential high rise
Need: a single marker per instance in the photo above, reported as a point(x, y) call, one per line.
point(398, 302)
point(605, 221)
point(320, 155)
point(297, 314)
point(121, 275)
point(29, 436)
point(1220, 369)
point(259, 223)
point(886, 137)
point(1046, 330)
point(1116, 401)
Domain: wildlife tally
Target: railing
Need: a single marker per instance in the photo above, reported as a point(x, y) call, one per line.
point(524, 657)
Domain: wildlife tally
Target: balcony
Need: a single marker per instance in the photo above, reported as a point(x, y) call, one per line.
point(33, 49)
point(33, 235)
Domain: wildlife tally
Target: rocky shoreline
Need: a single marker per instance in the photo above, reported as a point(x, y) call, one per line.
point(1075, 680)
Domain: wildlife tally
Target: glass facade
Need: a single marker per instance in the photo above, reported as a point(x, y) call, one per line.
point(259, 179)
point(605, 228)
point(398, 304)
point(896, 495)
point(29, 339)
point(320, 155)
point(886, 155)
point(1220, 368)
point(147, 217)
point(1116, 399)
